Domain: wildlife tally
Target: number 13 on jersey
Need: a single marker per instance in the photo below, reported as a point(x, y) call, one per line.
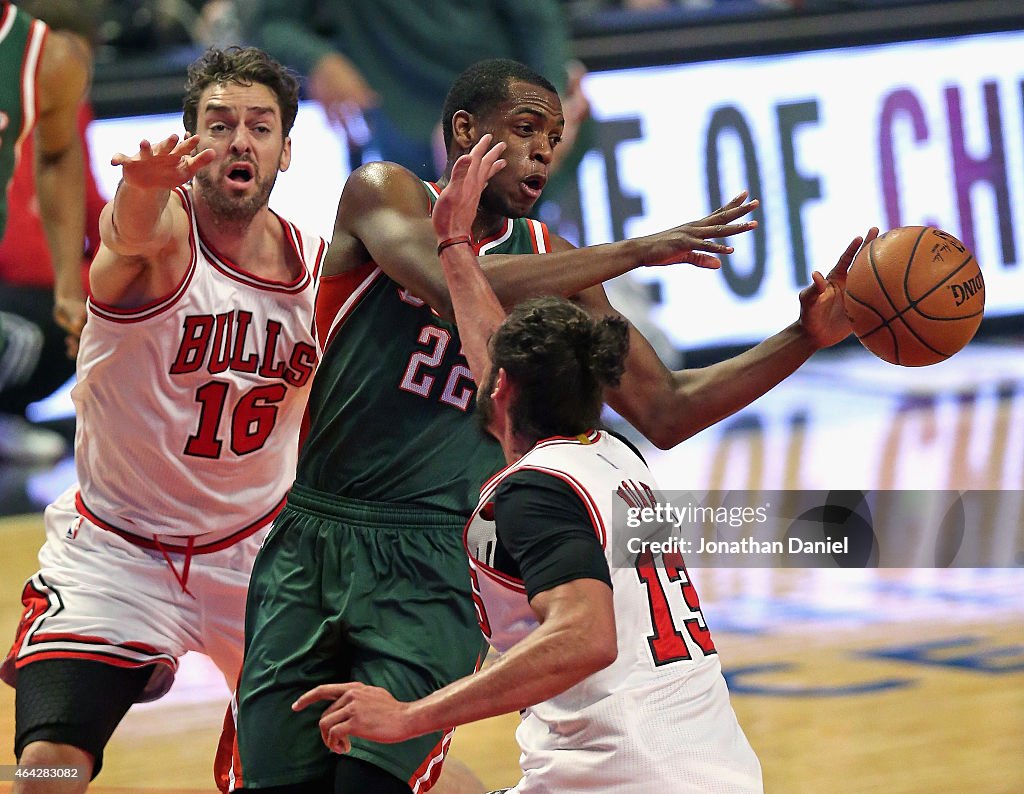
point(664, 584)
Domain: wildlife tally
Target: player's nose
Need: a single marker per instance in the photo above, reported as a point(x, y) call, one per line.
point(241, 141)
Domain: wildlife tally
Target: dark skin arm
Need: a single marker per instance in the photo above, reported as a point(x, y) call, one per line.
point(383, 216)
point(60, 174)
point(669, 407)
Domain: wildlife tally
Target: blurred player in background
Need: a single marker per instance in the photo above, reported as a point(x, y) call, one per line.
point(381, 68)
point(193, 374)
point(42, 211)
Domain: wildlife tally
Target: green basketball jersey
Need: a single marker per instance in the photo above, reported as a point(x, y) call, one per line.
point(391, 408)
point(21, 43)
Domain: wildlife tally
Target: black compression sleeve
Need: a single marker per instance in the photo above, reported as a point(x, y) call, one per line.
point(545, 529)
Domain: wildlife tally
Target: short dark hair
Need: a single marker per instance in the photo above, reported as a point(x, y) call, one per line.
point(559, 359)
point(484, 86)
point(242, 66)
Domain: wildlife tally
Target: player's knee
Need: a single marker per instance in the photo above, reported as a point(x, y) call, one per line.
point(54, 757)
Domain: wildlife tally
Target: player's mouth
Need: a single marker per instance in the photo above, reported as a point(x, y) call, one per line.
point(533, 186)
point(241, 174)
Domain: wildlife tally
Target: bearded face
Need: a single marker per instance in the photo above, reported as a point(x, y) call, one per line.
point(242, 124)
point(231, 204)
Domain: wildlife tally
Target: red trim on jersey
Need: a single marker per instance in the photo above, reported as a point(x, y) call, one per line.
point(37, 605)
point(88, 639)
point(493, 240)
point(95, 656)
point(592, 437)
point(31, 63)
point(5, 17)
point(42, 601)
point(227, 763)
point(164, 303)
point(539, 237)
point(427, 773)
point(338, 297)
point(158, 545)
point(585, 497)
point(517, 586)
point(243, 276)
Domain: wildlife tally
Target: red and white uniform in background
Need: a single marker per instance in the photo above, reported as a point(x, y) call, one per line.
point(658, 719)
point(189, 411)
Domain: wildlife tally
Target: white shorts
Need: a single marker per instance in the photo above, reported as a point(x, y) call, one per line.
point(98, 596)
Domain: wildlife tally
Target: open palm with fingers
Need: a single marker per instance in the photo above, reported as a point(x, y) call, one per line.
point(165, 165)
point(695, 242)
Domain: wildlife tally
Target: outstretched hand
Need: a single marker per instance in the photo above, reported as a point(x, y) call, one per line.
point(822, 302)
point(456, 207)
point(163, 166)
point(693, 243)
point(357, 710)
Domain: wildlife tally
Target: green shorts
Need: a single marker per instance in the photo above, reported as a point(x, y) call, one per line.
point(344, 590)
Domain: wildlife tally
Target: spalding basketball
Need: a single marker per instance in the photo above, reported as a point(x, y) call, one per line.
point(915, 296)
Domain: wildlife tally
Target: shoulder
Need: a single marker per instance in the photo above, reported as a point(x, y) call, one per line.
point(384, 182)
point(537, 490)
point(63, 71)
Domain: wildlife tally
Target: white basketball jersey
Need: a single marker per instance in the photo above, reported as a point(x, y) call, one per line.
point(189, 408)
point(658, 718)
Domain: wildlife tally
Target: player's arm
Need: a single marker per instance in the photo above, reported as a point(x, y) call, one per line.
point(576, 638)
point(143, 232)
point(566, 576)
point(60, 171)
point(669, 407)
point(384, 207)
point(478, 312)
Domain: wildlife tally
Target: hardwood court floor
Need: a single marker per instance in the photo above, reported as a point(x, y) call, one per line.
point(903, 681)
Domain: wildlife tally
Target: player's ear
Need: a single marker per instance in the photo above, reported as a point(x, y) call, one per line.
point(502, 386)
point(286, 154)
point(464, 130)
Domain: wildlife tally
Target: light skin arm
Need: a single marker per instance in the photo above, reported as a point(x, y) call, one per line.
point(144, 235)
point(383, 208)
point(576, 638)
point(669, 407)
point(60, 174)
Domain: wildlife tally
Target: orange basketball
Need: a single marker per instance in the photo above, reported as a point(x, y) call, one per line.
point(915, 296)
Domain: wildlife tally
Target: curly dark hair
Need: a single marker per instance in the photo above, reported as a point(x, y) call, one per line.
point(242, 66)
point(484, 86)
point(559, 359)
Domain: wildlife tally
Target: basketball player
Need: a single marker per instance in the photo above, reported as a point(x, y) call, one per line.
point(193, 375)
point(45, 78)
point(392, 464)
point(43, 357)
point(614, 697)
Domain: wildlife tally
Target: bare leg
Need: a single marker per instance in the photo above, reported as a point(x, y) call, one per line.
point(50, 755)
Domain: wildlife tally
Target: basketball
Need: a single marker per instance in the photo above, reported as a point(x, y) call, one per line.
point(915, 296)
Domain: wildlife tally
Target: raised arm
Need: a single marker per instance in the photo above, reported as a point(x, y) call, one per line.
point(669, 407)
point(60, 173)
point(144, 234)
point(478, 311)
point(384, 211)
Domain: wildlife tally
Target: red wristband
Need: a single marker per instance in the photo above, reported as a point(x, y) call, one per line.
point(464, 238)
